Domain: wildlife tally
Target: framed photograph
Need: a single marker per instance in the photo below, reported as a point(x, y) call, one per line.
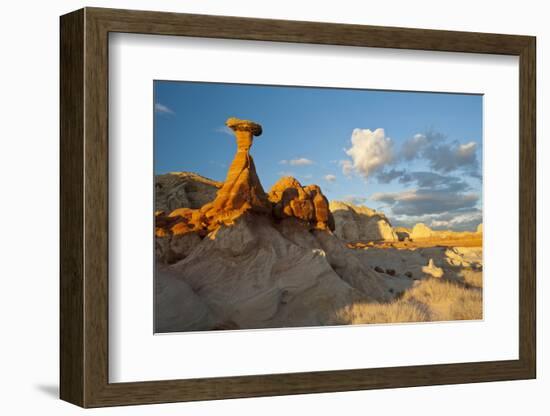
point(255, 207)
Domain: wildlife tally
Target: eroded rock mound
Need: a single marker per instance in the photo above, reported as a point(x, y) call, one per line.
point(254, 274)
point(183, 190)
point(307, 203)
point(359, 223)
point(421, 231)
point(247, 259)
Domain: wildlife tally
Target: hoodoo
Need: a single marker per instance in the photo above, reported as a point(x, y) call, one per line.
point(242, 190)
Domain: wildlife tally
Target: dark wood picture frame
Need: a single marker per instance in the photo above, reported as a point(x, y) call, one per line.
point(84, 207)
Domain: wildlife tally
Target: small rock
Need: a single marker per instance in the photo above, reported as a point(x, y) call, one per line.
point(379, 269)
point(432, 269)
point(391, 272)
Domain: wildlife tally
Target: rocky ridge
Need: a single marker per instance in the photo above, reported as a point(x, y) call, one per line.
point(251, 259)
point(359, 223)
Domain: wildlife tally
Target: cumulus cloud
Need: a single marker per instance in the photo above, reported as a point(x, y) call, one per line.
point(347, 167)
point(448, 157)
point(425, 201)
point(431, 180)
point(302, 161)
point(460, 220)
point(413, 147)
point(442, 156)
point(370, 151)
point(162, 109)
point(387, 176)
point(330, 178)
point(423, 179)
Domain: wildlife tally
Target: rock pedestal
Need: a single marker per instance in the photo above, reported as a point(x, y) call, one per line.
point(242, 190)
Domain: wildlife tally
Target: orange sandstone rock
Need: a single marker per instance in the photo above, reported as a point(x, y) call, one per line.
point(242, 190)
point(291, 199)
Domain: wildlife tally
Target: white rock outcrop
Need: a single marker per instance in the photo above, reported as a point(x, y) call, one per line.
point(255, 274)
point(421, 231)
point(359, 223)
point(183, 190)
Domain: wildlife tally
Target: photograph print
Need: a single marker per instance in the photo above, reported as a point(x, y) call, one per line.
point(289, 206)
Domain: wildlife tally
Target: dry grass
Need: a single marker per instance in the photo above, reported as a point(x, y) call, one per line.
point(473, 278)
point(383, 313)
point(430, 300)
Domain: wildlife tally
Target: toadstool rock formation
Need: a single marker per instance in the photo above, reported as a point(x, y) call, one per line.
point(242, 190)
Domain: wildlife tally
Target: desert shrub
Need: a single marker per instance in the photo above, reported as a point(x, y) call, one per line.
point(378, 313)
point(473, 278)
point(447, 301)
point(429, 300)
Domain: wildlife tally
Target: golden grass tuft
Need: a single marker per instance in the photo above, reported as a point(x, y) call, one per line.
point(429, 300)
point(473, 278)
point(382, 313)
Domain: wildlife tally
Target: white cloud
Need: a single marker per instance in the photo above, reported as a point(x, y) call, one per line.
point(448, 157)
point(302, 161)
point(412, 147)
point(469, 220)
point(224, 130)
point(162, 109)
point(347, 167)
point(330, 178)
point(426, 201)
point(370, 151)
point(461, 220)
point(467, 149)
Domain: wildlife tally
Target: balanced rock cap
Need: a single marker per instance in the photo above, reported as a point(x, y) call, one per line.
point(236, 124)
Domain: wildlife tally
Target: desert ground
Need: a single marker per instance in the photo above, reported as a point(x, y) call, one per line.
point(231, 256)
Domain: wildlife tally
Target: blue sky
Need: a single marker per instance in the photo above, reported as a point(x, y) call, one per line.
point(415, 156)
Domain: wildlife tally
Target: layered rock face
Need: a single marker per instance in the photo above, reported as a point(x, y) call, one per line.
point(242, 190)
point(247, 259)
point(358, 223)
point(253, 274)
point(183, 190)
point(421, 231)
point(291, 199)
